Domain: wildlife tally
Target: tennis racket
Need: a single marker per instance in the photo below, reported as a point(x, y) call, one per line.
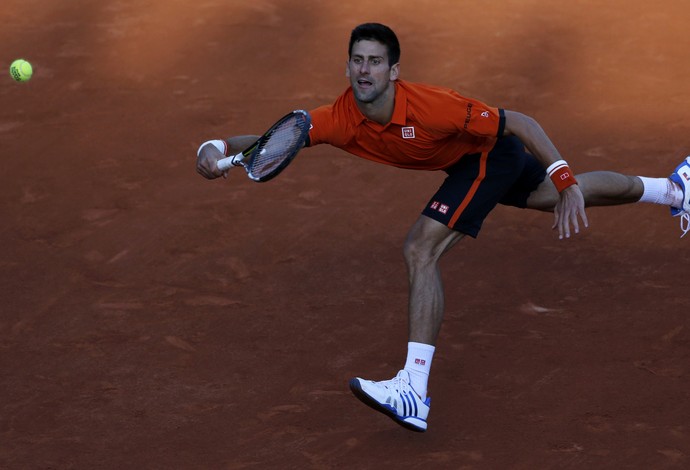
point(274, 150)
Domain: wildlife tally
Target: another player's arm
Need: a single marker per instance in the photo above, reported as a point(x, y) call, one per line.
point(209, 155)
point(571, 203)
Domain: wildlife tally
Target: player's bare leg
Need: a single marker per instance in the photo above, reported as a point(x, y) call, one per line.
point(426, 242)
point(599, 188)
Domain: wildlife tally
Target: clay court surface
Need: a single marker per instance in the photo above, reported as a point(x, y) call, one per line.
point(151, 319)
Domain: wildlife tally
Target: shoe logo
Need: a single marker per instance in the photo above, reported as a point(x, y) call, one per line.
point(408, 132)
point(421, 362)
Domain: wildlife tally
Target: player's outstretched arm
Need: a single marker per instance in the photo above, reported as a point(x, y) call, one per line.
point(210, 152)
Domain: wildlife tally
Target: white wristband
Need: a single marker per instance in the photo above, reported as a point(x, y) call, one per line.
point(555, 166)
point(221, 145)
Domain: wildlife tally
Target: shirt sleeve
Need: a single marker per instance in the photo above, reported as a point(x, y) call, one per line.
point(322, 125)
point(479, 119)
point(449, 112)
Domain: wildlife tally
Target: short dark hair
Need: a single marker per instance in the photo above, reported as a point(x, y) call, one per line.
point(379, 33)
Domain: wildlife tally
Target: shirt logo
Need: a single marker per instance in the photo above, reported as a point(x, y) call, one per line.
point(485, 114)
point(469, 115)
point(408, 132)
point(685, 175)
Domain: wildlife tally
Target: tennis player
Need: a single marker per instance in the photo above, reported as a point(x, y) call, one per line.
point(490, 155)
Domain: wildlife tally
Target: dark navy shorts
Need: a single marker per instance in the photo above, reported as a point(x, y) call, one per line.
point(477, 182)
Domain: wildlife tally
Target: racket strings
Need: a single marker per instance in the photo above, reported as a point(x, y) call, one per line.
point(280, 146)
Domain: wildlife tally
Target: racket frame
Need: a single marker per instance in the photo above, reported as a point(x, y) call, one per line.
point(246, 157)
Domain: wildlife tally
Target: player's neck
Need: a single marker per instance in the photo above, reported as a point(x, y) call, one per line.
point(381, 109)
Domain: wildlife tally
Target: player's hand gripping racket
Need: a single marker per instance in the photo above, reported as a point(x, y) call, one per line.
point(274, 150)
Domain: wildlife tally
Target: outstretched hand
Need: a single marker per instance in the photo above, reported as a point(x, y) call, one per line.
point(569, 207)
point(206, 162)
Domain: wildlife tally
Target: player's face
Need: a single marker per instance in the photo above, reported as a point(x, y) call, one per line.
point(369, 72)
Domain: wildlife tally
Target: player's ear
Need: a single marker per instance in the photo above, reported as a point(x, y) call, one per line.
point(347, 69)
point(395, 71)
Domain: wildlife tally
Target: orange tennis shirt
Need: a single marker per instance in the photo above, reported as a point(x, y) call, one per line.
point(431, 129)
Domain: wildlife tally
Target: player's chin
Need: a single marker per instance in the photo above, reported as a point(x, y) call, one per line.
point(365, 96)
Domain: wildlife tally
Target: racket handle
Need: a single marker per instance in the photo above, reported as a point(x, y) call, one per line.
point(227, 162)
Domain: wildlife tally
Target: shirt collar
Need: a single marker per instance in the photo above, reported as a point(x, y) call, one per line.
point(400, 110)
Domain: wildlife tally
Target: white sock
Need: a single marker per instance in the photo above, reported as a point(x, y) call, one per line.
point(661, 191)
point(418, 365)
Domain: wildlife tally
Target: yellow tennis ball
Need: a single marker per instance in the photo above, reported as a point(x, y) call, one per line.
point(21, 70)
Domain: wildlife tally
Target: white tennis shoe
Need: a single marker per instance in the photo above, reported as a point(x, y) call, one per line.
point(681, 176)
point(395, 398)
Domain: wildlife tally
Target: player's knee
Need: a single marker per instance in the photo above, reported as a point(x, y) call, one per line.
point(419, 250)
point(427, 241)
point(413, 250)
